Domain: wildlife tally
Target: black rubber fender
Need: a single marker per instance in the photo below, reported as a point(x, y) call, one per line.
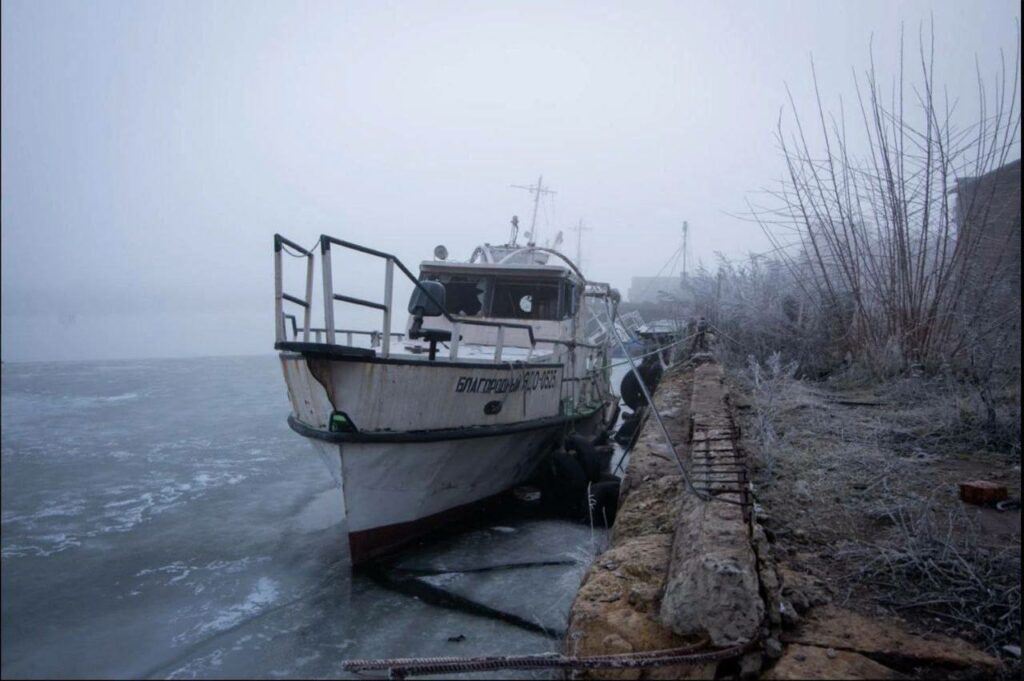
point(587, 455)
point(563, 483)
point(650, 370)
point(606, 432)
point(628, 430)
point(630, 391)
point(604, 503)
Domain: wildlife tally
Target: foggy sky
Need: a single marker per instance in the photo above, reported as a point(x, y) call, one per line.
point(151, 149)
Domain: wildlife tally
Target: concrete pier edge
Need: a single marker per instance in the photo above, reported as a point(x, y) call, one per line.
point(678, 569)
point(682, 571)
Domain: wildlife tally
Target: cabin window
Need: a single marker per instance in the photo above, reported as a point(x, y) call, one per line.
point(463, 295)
point(467, 295)
point(532, 300)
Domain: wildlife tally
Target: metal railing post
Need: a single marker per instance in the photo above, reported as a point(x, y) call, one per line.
point(307, 320)
point(499, 344)
point(325, 255)
point(456, 328)
point(278, 295)
point(389, 277)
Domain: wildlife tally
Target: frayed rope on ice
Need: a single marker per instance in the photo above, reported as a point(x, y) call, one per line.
point(399, 668)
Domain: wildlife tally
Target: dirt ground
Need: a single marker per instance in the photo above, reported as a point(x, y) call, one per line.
point(857, 490)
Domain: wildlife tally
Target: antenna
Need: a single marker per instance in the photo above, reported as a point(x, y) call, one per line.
point(686, 255)
point(536, 190)
point(579, 229)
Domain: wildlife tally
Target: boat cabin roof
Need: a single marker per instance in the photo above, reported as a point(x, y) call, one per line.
point(490, 269)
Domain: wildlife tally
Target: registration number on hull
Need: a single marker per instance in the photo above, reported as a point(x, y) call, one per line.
point(534, 379)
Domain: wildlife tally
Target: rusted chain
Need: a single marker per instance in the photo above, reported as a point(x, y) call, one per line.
point(399, 668)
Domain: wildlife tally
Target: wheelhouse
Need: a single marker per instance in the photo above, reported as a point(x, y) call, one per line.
point(524, 293)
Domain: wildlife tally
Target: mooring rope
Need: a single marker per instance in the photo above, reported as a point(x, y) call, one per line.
point(398, 668)
point(654, 410)
point(703, 495)
point(660, 349)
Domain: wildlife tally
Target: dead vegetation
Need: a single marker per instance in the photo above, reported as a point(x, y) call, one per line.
point(863, 500)
point(869, 220)
point(876, 349)
point(935, 564)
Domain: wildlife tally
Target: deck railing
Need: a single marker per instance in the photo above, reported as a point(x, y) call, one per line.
point(390, 263)
point(386, 307)
point(318, 332)
point(280, 296)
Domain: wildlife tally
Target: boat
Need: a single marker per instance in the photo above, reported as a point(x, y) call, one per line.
point(502, 356)
point(626, 325)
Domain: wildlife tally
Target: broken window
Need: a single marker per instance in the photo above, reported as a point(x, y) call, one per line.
point(533, 300)
point(463, 295)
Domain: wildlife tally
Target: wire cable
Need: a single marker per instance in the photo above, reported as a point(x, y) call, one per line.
point(654, 410)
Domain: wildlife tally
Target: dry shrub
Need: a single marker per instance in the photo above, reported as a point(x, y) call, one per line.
point(955, 414)
point(879, 229)
point(766, 385)
point(933, 563)
point(873, 218)
point(757, 307)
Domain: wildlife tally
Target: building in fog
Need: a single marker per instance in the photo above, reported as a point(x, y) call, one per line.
point(989, 215)
point(653, 289)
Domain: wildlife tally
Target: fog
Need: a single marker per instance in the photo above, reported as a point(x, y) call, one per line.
point(150, 150)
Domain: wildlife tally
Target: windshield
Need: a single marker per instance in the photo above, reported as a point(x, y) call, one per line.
point(533, 300)
point(506, 298)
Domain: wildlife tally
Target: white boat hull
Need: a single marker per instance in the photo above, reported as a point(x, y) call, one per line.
point(395, 493)
point(401, 479)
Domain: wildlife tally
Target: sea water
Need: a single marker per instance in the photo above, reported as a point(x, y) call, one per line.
point(160, 519)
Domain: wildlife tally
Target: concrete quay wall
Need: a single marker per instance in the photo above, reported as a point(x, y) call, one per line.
point(679, 569)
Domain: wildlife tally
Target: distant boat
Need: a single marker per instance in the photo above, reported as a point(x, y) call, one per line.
point(500, 358)
point(626, 326)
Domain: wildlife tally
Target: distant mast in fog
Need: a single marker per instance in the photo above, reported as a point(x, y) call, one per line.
point(537, 190)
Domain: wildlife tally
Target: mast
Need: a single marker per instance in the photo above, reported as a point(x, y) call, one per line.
point(537, 190)
point(579, 229)
point(686, 234)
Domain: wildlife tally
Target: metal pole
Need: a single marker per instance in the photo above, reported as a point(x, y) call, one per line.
point(325, 254)
point(536, 204)
point(278, 298)
point(456, 328)
point(389, 277)
point(308, 318)
point(499, 344)
point(686, 234)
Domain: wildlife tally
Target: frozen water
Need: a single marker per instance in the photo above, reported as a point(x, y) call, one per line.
point(542, 594)
point(160, 519)
point(535, 541)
